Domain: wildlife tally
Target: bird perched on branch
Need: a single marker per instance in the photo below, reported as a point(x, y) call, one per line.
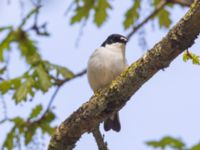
point(104, 65)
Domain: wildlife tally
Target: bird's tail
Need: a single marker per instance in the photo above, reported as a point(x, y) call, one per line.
point(112, 123)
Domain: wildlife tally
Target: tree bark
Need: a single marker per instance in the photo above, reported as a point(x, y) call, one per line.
point(114, 97)
point(99, 139)
point(181, 2)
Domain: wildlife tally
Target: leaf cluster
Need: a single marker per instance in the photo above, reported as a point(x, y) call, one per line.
point(100, 8)
point(191, 56)
point(41, 75)
point(172, 143)
point(28, 128)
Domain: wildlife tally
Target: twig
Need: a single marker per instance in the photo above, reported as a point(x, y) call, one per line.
point(157, 9)
point(188, 54)
point(61, 82)
point(42, 29)
point(87, 116)
point(59, 85)
point(3, 120)
point(69, 8)
point(35, 27)
point(80, 34)
point(51, 101)
point(99, 139)
point(39, 30)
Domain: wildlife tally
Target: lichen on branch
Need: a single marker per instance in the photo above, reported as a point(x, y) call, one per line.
point(97, 109)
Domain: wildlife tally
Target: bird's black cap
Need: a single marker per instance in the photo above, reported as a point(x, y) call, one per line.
point(115, 38)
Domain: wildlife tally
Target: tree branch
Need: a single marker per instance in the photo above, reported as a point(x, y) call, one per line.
point(99, 139)
point(98, 108)
point(182, 2)
point(59, 84)
point(157, 9)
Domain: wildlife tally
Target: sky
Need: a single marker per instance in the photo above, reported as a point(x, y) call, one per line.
point(168, 104)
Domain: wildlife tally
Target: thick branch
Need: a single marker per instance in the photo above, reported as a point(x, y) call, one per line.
point(98, 108)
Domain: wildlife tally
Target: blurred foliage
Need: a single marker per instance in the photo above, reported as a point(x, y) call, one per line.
point(85, 8)
point(164, 19)
point(38, 77)
point(24, 130)
point(166, 142)
point(171, 143)
point(41, 75)
point(132, 14)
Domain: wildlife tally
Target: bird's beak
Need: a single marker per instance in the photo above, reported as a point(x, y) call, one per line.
point(124, 39)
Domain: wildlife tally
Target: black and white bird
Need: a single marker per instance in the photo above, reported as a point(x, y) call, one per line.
point(104, 65)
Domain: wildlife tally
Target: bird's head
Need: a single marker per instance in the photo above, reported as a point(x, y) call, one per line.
point(115, 39)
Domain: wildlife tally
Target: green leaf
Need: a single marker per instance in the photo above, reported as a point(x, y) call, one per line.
point(164, 18)
point(18, 121)
point(4, 86)
point(29, 133)
point(28, 48)
point(24, 89)
point(9, 142)
point(167, 142)
point(154, 144)
point(132, 14)
point(82, 12)
point(100, 15)
point(191, 56)
point(185, 57)
point(65, 72)
point(44, 78)
point(49, 117)
point(7, 85)
point(35, 112)
point(155, 2)
point(46, 128)
point(195, 59)
point(5, 44)
point(15, 83)
point(195, 147)
point(46, 121)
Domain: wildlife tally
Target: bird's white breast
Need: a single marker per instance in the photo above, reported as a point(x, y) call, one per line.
point(105, 64)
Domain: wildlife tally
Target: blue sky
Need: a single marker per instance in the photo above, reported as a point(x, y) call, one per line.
point(168, 104)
